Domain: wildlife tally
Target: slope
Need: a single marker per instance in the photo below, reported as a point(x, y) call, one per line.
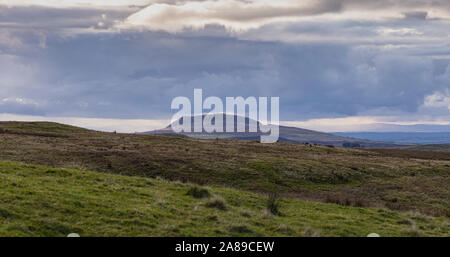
point(44, 201)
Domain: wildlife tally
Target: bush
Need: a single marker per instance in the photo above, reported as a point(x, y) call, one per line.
point(198, 192)
point(273, 204)
point(217, 202)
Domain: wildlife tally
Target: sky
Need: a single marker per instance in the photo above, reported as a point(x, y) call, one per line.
point(117, 64)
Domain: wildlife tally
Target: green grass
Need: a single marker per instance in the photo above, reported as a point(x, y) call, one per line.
point(401, 180)
point(45, 201)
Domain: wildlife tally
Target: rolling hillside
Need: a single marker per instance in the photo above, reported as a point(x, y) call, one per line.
point(390, 179)
point(44, 201)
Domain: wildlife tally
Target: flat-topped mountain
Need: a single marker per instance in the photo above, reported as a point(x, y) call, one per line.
point(286, 134)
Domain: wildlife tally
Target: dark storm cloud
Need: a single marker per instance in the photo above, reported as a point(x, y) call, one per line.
point(137, 75)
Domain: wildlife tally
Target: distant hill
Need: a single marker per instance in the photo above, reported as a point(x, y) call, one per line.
point(384, 127)
point(401, 137)
point(38, 127)
point(286, 134)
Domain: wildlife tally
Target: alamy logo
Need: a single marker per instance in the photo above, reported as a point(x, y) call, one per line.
point(189, 119)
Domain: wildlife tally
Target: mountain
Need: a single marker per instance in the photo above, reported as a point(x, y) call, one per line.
point(286, 134)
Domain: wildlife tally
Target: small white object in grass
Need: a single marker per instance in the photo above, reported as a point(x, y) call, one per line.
point(73, 235)
point(373, 235)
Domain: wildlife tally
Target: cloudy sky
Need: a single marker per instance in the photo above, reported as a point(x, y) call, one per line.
point(117, 64)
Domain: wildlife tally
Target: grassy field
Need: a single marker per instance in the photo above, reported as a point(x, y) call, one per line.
point(45, 201)
point(389, 179)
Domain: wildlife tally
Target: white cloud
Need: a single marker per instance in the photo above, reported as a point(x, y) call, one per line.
point(234, 15)
point(438, 100)
point(73, 3)
point(19, 100)
point(334, 124)
point(239, 16)
point(399, 31)
point(294, 21)
point(366, 123)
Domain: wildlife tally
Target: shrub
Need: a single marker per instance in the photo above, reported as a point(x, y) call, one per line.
point(217, 202)
point(273, 204)
point(198, 192)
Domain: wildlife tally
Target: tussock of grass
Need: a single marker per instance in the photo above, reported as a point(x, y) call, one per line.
point(217, 202)
point(273, 204)
point(198, 192)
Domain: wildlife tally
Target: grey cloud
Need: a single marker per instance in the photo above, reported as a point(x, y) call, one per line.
point(243, 12)
point(135, 74)
point(52, 18)
point(256, 13)
point(390, 4)
point(416, 15)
